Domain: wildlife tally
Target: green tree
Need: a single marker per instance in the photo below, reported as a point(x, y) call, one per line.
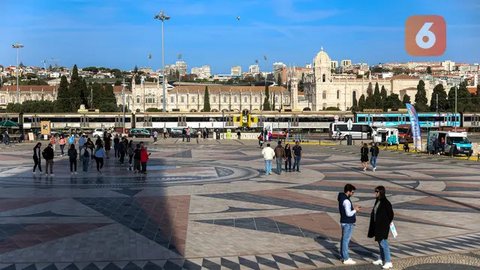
point(421, 97)
point(464, 98)
point(393, 102)
point(476, 99)
point(206, 100)
point(63, 96)
point(377, 98)
point(14, 108)
point(439, 96)
point(429, 70)
point(76, 90)
point(384, 97)
point(361, 103)
point(369, 102)
point(406, 99)
point(266, 102)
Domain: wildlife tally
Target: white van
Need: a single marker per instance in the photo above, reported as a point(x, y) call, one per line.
point(448, 142)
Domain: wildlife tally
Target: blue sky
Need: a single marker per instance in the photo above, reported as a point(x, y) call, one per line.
point(122, 33)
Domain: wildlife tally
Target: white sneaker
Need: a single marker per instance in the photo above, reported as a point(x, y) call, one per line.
point(46, 174)
point(364, 169)
point(374, 168)
point(387, 265)
point(378, 262)
point(349, 261)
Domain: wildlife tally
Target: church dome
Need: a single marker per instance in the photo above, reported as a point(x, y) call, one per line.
point(322, 57)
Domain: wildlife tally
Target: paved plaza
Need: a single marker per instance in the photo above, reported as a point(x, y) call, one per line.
point(210, 206)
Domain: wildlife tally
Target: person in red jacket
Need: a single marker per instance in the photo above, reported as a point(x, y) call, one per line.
point(144, 158)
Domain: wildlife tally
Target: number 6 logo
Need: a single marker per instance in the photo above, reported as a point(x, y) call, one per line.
point(425, 35)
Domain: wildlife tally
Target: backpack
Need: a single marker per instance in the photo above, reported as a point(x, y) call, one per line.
point(71, 140)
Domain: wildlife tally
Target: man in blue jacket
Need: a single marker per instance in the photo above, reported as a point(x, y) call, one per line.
point(347, 221)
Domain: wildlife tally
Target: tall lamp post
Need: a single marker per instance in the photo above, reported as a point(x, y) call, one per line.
point(163, 17)
point(17, 46)
point(123, 106)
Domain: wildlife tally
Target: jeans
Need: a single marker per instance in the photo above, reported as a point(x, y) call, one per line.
point(296, 163)
point(373, 161)
point(384, 251)
point(62, 146)
point(288, 164)
point(268, 167)
point(37, 163)
point(144, 167)
point(73, 165)
point(279, 165)
point(49, 165)
point(347, 231)
point(99, 163)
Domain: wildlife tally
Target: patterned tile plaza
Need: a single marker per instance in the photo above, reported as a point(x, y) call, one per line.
point(210, 206)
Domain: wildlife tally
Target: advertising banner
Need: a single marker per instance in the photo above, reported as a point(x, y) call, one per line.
point(45, 127)
point(415, 127)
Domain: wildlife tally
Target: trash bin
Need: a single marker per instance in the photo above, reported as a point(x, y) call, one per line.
point(349, 140)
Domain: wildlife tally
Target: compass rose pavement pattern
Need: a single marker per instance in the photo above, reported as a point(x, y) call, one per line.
point(210, 206)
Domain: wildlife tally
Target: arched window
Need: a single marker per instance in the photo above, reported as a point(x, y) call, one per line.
point(324, 77)
point(245, 99)
point(138, 99)
point(214, 99)
point(235, 99)
point(338, 94)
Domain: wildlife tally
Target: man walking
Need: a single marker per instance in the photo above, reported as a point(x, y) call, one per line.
point(48, 155)
point(347, 221)
point(374, 150)
point(279, 157)
point(297, 156)
point(268, 155)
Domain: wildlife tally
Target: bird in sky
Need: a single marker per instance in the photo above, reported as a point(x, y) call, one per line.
point(238, 18)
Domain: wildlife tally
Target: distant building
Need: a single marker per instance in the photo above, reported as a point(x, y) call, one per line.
point(181, 67)
point(334, 64)
point(346, 63)
point(203, 72)
point(254, 69)
point(236, 71)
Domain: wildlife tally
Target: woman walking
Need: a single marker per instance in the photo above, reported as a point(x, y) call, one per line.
point(72, 157)
point(380, 219)
point(364, 156)
point(130, 152)
point(99, 156)
point(85, 159)
point(37, 157)
point(62, 143)
point(288, 158)
point(144, 155)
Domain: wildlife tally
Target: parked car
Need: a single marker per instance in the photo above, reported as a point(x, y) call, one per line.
point(139, 133)
point(175, 132)
point(98, 133)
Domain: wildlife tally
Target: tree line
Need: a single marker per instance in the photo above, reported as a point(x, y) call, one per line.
point(440, 101)
point(70, 96)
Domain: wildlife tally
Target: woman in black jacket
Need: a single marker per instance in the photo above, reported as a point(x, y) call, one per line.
point(72, 156)
point(364, 156)
point(37, 157)
point(288, 158)
point(380, 219)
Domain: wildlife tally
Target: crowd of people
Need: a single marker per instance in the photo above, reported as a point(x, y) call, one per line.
point(82, 149)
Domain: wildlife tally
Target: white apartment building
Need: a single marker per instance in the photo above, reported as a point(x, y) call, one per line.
point(254, 69)
point(181, 66)
point(236, 71)
point(346, 63)
point(333, 64)
point(203, 72)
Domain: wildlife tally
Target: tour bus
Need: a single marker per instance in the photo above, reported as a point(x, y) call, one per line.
point(340, 130)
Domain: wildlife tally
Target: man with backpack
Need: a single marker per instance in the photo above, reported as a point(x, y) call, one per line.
point(48, 155)
point(374, 150)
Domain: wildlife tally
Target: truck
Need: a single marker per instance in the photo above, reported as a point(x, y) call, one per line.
point(449, 143)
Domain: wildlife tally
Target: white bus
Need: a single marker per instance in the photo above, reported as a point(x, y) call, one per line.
point(340, 130)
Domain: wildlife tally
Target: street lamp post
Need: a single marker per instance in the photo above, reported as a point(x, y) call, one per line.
point(17, 46)
point(123, 106)
point(456, 109)
point(163, 17)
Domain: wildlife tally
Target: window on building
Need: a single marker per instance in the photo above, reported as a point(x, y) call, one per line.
point(354, 97)
point(256, 99)
point(172, 99)
point(2, 99)
point(182, 99)
point(138, 99)
point(245, 99)
point(235, 99)
point(224, 99)
point(324, 94)
point(276, 99)
point(193, 99)
point(214, 99)
point(338, 94)
point(324, 77)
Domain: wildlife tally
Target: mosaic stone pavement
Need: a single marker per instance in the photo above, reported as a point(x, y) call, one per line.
point(210, 206)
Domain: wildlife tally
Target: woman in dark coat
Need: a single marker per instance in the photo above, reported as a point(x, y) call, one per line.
point(364, 156)
point(380, 219)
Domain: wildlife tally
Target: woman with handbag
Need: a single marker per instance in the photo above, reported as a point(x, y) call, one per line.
point(380, 219)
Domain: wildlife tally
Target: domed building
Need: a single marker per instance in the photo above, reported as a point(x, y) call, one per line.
point(324, 90)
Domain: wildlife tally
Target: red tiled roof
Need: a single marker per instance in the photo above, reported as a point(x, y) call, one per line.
point(405, 77)
point(226, 88)
point(28, 88)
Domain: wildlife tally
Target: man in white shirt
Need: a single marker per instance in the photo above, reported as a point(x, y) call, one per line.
point(347, 220)
point(268, 155)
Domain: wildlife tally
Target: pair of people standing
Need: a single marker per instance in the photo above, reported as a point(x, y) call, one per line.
point(47, 154)
point(140, 159)
point(380, 219)
point(374, 151)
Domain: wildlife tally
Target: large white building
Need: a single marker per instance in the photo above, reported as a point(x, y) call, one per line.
point(254, 69)
point(236, 71)
point(203, 72)
point(323, 89)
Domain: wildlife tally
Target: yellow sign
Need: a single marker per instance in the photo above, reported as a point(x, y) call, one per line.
point(45, 127)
